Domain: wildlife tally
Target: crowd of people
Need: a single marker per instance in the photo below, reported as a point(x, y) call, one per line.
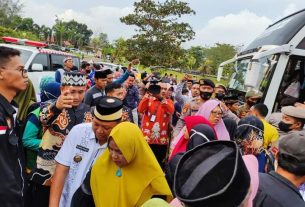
point(97, 137)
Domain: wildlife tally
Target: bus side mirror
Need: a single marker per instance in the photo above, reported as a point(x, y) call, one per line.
point(37, 67)
point(252, 74)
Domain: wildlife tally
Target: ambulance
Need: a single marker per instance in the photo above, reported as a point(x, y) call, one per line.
point(38, 60)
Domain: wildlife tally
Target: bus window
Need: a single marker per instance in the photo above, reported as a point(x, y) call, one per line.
point(268, 65)
point(57, 61)
point(41, 59)
point(292, 88)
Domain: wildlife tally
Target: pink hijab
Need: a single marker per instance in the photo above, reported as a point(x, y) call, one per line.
point(205, 111)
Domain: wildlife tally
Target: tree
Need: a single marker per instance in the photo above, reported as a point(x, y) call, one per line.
point(198, 54)
point(103, 37)
point(76, 33)
point(120, 50)
point(8, 10)
point(217, 54)
point(159, 34)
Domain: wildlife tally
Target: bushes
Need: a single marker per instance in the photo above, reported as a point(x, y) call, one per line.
point(18, 34)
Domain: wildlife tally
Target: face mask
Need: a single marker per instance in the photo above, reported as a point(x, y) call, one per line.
point(284, 126)
point(251, 103)
point(219, 96)
point(88, 71)
point(205, 95)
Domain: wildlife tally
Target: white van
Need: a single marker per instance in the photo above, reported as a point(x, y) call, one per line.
point(41, 62)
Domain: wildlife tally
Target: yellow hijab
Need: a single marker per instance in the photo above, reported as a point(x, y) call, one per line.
point(141, 178)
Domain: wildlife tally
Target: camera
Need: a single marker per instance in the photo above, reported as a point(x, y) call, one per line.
point(154, 88)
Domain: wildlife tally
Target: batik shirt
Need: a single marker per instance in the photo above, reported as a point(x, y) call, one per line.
point(156, 129)
point(57, 124)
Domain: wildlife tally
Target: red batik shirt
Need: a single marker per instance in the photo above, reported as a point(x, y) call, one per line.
point(156, 129)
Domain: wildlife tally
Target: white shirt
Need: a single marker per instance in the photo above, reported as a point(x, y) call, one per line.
point(80, 142)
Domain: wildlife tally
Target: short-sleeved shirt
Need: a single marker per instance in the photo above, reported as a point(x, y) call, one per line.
point(270, 134)
point(78, 152)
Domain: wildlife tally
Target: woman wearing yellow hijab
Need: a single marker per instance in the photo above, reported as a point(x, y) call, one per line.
point(127, 174)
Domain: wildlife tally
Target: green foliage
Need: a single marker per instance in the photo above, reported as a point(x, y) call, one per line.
point(76, 33)
point(197, 53)
point(19, 34)
point(9, 9)
point(100, 42)
point(159, 34)
point(120, 49)
point(216, 55)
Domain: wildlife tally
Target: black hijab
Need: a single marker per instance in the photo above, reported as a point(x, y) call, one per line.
point(231, 126)
point(200, 134)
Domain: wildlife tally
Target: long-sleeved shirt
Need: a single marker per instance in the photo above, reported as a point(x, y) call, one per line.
point(11, 157)
point(156, 118)
point(276, 191)
point(93, 96)
point(32, 138)
point(57, 124)
point(132, 97)
point(181, 99)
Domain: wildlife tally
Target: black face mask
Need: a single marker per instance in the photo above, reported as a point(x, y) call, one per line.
point(205, 95)
point(88, 71)
point(251, 103)
point(219, 96)
point(284, 126)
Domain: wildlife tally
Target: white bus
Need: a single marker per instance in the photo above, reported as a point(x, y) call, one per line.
point(274, 61)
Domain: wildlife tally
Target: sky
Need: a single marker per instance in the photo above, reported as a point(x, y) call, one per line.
point(235, 22)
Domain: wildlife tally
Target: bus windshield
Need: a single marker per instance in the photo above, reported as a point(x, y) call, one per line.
point(238, 77)
point(267, 65)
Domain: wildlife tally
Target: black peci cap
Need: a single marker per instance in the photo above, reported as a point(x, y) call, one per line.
point(207, 82)
point(100, 74)
point(109, 109)
point(212, 174)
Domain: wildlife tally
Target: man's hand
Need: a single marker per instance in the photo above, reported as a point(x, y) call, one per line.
point(65, 100)
point(125, 116)
point(133, 62)
point(147, 95)
point(186, 77)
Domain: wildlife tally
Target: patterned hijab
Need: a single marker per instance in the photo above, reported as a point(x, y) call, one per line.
point(249, 135)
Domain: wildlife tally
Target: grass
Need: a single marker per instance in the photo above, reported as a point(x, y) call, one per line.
point(180, 75)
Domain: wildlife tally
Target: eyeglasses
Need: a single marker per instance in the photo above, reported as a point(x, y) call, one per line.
point(22, 70)
point(217, 113)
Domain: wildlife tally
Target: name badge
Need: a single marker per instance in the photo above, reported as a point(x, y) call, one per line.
point(153, 118)
point(96, 95)
point(82, 148)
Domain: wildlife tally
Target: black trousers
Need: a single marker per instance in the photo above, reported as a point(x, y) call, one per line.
point(160, 153)
point(38, 196)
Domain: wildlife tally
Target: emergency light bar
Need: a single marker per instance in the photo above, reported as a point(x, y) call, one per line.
point(24, 42)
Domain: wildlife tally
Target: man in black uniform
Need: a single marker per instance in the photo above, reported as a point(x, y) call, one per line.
point(13, 78)
point(280, 188)
point(96, 92)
